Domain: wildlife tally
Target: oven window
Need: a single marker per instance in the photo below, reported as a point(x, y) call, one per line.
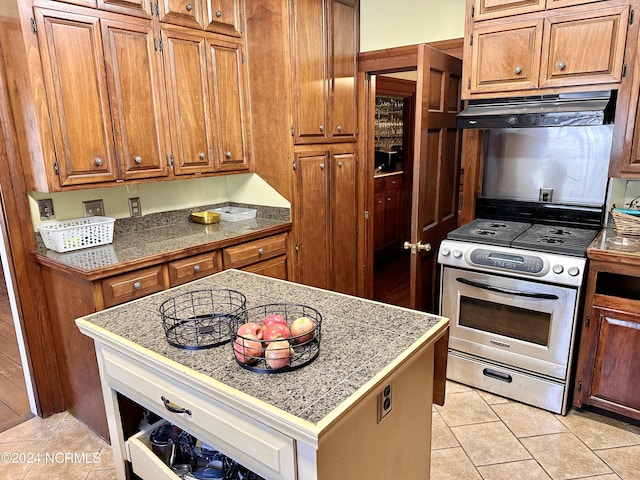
point(513, 322)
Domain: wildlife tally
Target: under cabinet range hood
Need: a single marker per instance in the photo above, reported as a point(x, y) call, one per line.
point(561, 110)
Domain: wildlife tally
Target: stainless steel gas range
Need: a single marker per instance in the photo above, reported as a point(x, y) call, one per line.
point(513, 291)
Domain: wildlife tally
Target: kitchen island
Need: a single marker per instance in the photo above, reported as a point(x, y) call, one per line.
point(321, 421)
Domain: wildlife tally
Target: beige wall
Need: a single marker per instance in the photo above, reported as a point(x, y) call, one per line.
point(393, 23)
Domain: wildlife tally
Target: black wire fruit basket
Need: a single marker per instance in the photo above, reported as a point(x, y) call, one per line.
point(201, 319)
point(259, 346)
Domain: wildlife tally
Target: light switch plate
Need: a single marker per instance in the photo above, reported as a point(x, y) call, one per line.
point(92, 208)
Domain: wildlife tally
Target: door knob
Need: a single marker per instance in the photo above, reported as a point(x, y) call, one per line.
point(416, 247)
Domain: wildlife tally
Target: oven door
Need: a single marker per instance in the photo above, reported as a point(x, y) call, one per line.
point(510, 321)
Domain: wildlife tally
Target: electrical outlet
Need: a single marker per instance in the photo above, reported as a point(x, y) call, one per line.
point(545, 195)
point(385, 402)
point(45, 207)
point(135, 209)
point(92, 208)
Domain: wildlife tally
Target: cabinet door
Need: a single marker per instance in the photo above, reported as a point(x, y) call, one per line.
point(187, 13)
point(139, 8)
point(312, 218)
point(75, 79)
point(344, 221)
point(506, 57)
point(185, 63)
point(569, 3)
point(309, 71)
point(228, 97)
point(344, 66)
point(584, 49)
point(139, 116)
point(379, 221)
point(223, 16)
point(617, 359)
point(486, 9)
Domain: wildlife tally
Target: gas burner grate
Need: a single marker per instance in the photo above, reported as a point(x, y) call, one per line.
point(554, 239)
point(492, 232)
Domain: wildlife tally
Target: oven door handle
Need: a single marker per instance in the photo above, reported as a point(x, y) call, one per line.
point(484, 286)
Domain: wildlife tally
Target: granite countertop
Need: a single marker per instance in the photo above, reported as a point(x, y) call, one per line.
point(160, 234)
point(608, 241)
point(359, 338)
point(388, 174)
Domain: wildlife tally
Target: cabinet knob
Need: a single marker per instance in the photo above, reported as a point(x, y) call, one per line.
point(561, 65)
point(189, 7)
point(218, 14)
point(228, 155)
point(322, 166)
point(202, 156)
point(388, 199)
point(137, 285)
point(260, 251)
point(322, 128)
point(196, 268)
point(518, 70)
point(137, 159)
point(379, 202)
point(98, 162)
point(339, 128)
point(340, 164)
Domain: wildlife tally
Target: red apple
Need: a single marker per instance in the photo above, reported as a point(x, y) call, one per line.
point(303, 329)
point(248, 348)
point(273, 318)
point(276, 331)
point(278, 354)
point(250, 327)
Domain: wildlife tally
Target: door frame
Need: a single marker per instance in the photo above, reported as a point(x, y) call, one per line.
point(370, 64)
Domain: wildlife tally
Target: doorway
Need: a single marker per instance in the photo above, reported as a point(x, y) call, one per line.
point(393, 171)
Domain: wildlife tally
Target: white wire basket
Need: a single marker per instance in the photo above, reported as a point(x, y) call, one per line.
point(76, 233)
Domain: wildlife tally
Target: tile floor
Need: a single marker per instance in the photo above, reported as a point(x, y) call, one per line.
point(476, 436)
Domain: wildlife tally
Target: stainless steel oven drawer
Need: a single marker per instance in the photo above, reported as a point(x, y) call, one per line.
point(507, 382)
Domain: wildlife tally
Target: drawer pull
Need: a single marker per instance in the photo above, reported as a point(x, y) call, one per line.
point(260, 251)
point(196, 268)
point(137, 285)
point(172, 407)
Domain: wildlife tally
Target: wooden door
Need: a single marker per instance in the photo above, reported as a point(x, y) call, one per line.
point(312, 217)
point(228, 105)
point(222, 16)
point(343, 209)
point(505, 57)
point(486, 9)
point(435, 169)
point(309, 41)
point(187, 13)
point(185, 63)
point(615, 338)
point(584, 48)
point(139, 114)
point(344, 65)
point(74, 75)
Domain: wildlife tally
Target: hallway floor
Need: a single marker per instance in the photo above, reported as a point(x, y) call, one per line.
point(476, 436)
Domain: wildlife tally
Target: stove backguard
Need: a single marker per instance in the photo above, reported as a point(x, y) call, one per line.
point(563, 165)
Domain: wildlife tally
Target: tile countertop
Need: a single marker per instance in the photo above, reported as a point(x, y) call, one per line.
point(359, 339)
point(159, 234)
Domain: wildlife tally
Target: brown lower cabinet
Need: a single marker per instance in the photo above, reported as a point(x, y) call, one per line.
point(71, 295)
point(609, 354)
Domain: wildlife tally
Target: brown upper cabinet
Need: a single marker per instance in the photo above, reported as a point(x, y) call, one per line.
point(219, 16)
point(581, 46)
point(324, 42)
point(488, 9)
point(129, 98)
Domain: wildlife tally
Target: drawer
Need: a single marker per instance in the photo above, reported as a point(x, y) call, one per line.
point(255, 251)
point(129, 286)
point(192, 268)
point(144, 462)
point(394, 181)
point(274, 268)
point(378, 184)
point(254, 445)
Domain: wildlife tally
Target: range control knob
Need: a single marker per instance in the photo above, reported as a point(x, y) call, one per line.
point(573, 271)
point(445, 251)
point(457, 253)
point(558, 269)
